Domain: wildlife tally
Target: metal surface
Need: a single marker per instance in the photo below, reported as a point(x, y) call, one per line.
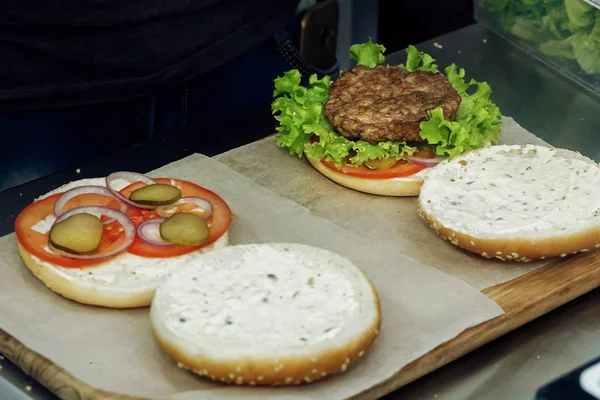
point(512, 367)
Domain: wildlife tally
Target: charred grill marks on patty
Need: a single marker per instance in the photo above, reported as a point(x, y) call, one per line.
point(387, 102)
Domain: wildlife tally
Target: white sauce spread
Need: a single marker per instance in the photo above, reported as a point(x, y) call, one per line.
point(43, 226)
point(517, 191)
point(257, 297)
point(128, 271)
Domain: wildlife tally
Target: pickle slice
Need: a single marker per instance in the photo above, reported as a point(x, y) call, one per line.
point(77, 234)
point(380, 165)
point(185, 228)
point(157, 194)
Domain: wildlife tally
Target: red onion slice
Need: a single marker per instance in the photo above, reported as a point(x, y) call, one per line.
point(131, 177)
point(122, 218)
point(69, 194)
point(149, 232)
point(164, 211)
point(428, 162)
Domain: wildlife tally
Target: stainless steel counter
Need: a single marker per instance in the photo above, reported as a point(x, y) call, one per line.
point(514, 366)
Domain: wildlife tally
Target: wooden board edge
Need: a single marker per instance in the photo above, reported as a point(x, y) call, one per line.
point(54, 378)
point(553, 280)
point(581, 271)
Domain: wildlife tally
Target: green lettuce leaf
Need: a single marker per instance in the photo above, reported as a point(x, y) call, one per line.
point(299, 111)
point(558, 28)
point(477, 120)
point(304, 130)
point(418, 61)
point(369, 53)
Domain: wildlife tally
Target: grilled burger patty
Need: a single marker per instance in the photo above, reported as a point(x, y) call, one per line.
point(387, 102)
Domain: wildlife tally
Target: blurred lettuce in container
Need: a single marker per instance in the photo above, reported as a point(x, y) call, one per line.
point(561, 28)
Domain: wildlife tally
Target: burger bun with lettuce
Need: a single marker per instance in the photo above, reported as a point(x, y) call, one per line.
point(380, 128)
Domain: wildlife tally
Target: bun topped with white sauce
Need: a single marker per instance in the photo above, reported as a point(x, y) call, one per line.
point(266, 314)
point(515, 202)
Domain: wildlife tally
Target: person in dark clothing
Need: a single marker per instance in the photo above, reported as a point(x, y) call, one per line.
point(82, 78)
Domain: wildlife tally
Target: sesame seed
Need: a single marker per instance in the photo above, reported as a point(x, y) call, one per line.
point(307, 379)
point(180, 365)
point(500, 258)
point(323, 373)
point(289, 379)
point(499, 252)
point(231, 376)
point(28, 388)
point(515, 255)
point(252, 383)
point(344, 367)
point(204, 372)
point(453, 234)
point(260, 378)
point(508, 257)
point(585, 250)
point(361, 353)
point(563, 255)
point(314, 371)
point(542, 258)
point(239, 380)
point(574, 252)
point(597, 246)
point(484, 254)
point(222, 379)
point(472, 243)
point(212, 377)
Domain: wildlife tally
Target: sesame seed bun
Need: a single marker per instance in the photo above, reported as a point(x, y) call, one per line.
point(398, 187)
point(258, 343)
point(515, 203)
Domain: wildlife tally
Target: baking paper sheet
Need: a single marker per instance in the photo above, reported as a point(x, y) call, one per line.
point(114, 350)
point(374, 217)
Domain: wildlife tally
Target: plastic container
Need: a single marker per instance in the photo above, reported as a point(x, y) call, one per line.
point(564, 34)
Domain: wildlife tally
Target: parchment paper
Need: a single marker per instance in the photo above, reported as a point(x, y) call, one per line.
point(114, 350)
point(374, 217)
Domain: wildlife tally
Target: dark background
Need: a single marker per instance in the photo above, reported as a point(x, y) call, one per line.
point(401, 23)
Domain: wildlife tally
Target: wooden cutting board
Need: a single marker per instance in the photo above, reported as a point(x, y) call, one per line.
point(523, 299)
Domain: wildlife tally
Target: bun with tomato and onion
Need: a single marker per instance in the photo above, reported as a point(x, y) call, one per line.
point(111, 242)
point(378, 128)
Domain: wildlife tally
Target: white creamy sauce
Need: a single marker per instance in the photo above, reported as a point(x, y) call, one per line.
point(275, 297)
point(127, 270)
point(43, 226)
point(506, 190)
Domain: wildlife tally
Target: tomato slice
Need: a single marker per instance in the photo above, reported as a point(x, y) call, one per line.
point(400, 169)
point(36, 243)
point(218, 222)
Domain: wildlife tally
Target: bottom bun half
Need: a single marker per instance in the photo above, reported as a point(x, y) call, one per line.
point(399, 187)
point(128, 281)
point(260, 342)
point(518, 249)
